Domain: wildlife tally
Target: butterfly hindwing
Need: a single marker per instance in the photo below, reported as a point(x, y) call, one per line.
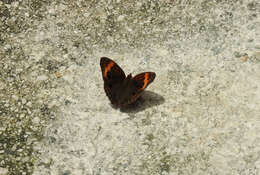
point(112, 75)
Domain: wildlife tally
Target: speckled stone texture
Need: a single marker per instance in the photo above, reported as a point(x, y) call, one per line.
point(201, 115)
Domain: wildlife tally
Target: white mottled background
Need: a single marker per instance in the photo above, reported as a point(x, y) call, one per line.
point(201, 115)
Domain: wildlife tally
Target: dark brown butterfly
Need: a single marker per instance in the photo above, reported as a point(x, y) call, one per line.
point(122, 90)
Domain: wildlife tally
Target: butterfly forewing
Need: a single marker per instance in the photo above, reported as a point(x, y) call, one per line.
point(141, 82)
point(110, 70)
point(112, 75)
point(144, 79)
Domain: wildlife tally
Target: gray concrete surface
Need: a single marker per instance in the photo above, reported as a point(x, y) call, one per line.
point(201, 115)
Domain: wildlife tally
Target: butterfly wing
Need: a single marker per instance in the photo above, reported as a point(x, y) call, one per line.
point(112, 75)
point(141, 81)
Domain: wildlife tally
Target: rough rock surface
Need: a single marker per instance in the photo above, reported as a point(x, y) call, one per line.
point(201, 115)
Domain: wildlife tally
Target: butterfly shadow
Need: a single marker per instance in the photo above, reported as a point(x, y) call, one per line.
point(148, 99)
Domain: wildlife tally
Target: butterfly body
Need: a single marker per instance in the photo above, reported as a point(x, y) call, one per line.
point(120, 89)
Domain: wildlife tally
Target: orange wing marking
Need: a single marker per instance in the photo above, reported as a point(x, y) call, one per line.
point(108, 67)
point(146, 80)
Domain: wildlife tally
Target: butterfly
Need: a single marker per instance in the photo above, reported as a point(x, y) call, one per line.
point(123, 90)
